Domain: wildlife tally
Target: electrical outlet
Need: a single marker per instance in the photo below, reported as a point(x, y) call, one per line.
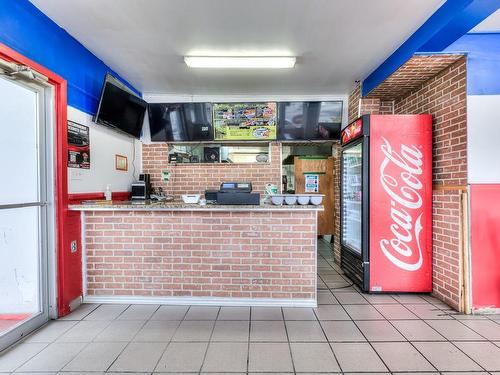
point(165, 176)
point(74, 247)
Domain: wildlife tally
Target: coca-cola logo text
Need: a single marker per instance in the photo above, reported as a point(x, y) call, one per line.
point(406, 204)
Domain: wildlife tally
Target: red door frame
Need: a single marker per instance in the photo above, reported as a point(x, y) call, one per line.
point(60, 153)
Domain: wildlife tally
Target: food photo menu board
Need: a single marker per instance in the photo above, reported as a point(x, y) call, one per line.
point(244, 121)
point(78, 146)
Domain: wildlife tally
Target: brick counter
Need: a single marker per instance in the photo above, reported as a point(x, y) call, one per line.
point(253, 257)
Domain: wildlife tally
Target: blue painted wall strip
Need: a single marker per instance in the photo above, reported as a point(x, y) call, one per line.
point(452, 20)
point(462, 23)
point(27, 30)
point(483, 62)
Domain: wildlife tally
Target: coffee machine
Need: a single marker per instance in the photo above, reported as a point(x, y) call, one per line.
point(141, 190)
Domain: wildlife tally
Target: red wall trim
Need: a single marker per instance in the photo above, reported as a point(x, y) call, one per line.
point(116, 195)
point(61, 172)
point(485, 245)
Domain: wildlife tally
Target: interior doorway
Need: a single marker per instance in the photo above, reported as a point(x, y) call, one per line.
point(26, 203)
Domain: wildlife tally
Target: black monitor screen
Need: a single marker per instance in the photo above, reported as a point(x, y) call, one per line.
point(180, 122)
point(120, 109)
point(309, 120)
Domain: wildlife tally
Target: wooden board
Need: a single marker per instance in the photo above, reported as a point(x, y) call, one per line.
point(324, 168)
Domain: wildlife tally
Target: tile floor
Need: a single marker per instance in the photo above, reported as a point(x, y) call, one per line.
point(349, 332)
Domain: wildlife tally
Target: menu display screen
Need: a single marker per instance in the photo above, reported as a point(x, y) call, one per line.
point(309, 120)
point(244, 121)
point(180, 122)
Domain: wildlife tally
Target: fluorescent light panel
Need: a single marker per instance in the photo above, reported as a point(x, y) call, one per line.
point(240, 62)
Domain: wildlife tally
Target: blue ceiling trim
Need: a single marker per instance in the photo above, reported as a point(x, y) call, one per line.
point(484, 33)
point(452, 20)
point(461, 24)
point(483, 62)
point(30, 32)
point(441, 53)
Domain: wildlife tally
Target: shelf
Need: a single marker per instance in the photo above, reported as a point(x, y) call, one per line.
point(354, 218)
point(357, 220)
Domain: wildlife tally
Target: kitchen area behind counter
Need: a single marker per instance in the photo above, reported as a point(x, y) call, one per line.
point(172, 252)
point(195, 178)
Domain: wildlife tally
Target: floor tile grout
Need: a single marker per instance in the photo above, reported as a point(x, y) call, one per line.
point(208, 343)
point(432, 311)
point(130, 341)
point(288, 340)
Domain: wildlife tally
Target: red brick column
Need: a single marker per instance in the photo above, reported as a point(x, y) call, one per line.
point(443, 96)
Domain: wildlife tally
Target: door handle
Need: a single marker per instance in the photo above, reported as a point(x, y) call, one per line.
point(22, 205)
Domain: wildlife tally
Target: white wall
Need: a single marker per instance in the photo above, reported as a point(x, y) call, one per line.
point(105, 143)
point(483, 124)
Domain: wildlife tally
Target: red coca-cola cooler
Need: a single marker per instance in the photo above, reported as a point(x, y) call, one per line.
point(386, 203)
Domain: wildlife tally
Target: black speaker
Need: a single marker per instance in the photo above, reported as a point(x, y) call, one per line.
point(172, 158)
point(146, 177)
point(211, 155)
point(211, 196)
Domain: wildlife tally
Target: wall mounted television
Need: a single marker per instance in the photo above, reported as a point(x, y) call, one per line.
point(309, 121)
point(245, 121)
point(180, 122)
point(120, 108)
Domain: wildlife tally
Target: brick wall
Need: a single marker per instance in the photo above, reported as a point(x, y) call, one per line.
point(353, 105)
point(372, 106)
point(195, 178)
point(270, 254)
point(336, 218)
point(446, 246)
point(443, 96)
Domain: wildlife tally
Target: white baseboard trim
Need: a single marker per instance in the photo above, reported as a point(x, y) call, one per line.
point(204, 301)
point(75, 303)
point(486, 311)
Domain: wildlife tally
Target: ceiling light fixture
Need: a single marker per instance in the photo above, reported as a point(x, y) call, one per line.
point(240, 62)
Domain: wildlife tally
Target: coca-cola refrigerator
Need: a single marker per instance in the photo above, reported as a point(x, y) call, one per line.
point(386, 203)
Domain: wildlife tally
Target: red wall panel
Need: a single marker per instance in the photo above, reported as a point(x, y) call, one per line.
point(485, 245)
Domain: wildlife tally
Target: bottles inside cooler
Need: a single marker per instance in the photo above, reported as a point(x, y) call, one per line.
point(351, 197)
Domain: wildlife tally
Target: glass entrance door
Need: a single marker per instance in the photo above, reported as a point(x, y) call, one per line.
point(23, 210)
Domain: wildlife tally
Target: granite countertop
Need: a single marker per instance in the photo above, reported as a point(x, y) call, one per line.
point(181, 206)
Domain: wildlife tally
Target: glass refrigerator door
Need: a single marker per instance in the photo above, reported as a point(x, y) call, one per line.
point(351, 197)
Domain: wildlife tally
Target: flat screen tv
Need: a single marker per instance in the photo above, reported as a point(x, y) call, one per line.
point(309, 121)
point(119, 108)
point(180, 122)
point(245, 121)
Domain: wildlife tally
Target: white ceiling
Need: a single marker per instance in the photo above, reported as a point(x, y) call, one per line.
point(336, 41)
point(489, 25)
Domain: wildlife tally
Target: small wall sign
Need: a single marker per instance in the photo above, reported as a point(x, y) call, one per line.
point(121, 163)
point(78, 146)
point(312, 183)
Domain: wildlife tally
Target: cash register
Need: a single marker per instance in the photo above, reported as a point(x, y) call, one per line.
point(237, 193)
